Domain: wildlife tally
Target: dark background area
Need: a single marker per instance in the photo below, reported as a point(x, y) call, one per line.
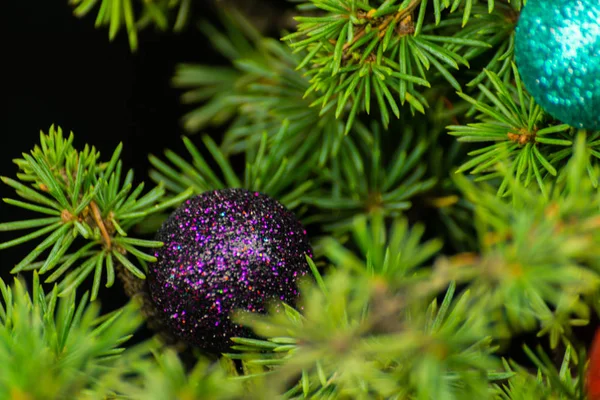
point(62, 70)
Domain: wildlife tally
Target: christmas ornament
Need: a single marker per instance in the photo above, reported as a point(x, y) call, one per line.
point(592, 381)
point(557, 50)
point(224, 250)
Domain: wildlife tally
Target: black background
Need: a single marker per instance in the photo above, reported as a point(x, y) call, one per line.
point(60, 70)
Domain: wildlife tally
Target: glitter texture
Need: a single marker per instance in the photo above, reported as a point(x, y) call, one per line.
point(557, 51)
point(225, 250)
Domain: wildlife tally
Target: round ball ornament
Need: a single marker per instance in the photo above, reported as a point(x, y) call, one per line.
point(224, 250)
point(557, 49)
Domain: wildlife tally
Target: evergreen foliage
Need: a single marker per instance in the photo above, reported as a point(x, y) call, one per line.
point(262, 173)
point(363, 121)
point(119, 14)
point(53, 348)
point(85, 198)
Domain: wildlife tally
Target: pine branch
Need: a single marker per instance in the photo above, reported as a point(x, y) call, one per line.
point(264, 75)
point(359, 180)
point(119, 14)
point(394, 256)
point(53, 349)
point(540, 256)
point(496, 28)
point(274, 167)
point(354, 338)
point(535, 146)
point(359, 49)
point(165, 377)
point(548, 383)
point(86, 199)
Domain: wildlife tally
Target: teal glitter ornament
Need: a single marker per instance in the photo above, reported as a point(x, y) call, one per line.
point(557, 50)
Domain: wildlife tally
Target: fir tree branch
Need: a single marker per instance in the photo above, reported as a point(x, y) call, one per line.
point(521, 132)
point(359, 180)
point(371, 327)
point(496, 28)
point(379, 50)
point(264, 75)
point(54, 348)
point(353, 339)
point(119, 14)
point(88, 199)
point(164, 376)
point(540, 256)
point(393, 254)
point(548, 383)
point(274, 168)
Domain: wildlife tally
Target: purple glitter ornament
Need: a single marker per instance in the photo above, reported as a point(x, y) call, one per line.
point(225, 250)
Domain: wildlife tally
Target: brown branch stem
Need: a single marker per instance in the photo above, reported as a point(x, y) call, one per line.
point(98, 219)
point(409, 9)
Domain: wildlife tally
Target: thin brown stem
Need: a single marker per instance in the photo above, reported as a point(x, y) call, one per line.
point(406, 11)
point(100, 223)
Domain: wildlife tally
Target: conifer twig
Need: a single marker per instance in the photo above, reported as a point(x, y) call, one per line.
point(78, 190)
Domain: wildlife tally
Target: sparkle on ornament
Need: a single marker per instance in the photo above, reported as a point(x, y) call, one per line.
point(225, 250)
